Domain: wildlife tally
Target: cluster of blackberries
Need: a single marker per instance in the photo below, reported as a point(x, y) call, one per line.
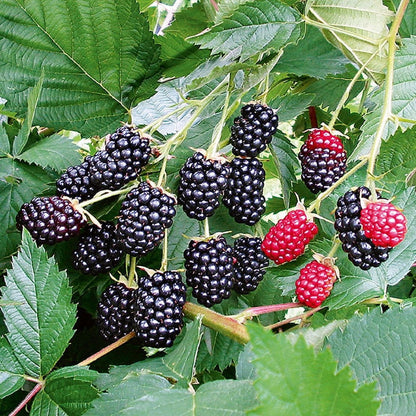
point(154, 311)
point(213, 268)
point(361, 250)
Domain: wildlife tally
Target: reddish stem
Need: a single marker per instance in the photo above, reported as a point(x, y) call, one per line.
point(260, 310)
point(215, 5)
point(312, 117)
point(294, 318)
point(27, 399)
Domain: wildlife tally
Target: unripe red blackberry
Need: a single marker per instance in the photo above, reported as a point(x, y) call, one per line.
point(144, 216)
point(115, 311)
point(202, 182)
point(253, 130)
point(123, 158)
point(158, 309)
point(323, 160)
point(361, 250)
point(250, 262)
point(50, 220)
point(244, 194)
point(97, 250)
point(209, 270)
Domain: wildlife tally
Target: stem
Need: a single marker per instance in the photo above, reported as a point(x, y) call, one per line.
point(223, 324)
point(162, 174)
point(164, 263)
point(104, 195)
point(260, 310)
point(302, 316)
point(206, 227)
point(107, 349)
point(259, 230)
point(263, 96)
point(388, 94)
point(382, 301)
point(27, 399)
point(132, 271)
point(325, 194)
point(334, 248)
point(312, 117)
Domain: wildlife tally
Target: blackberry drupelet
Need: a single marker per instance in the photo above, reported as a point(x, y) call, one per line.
point(201, 184)
point(244, 193)
point(250, 264)
point(115, 311)
point(97, 250)
point(50, 220)
point(323, 160)
point(253, 130)
point(361, 251)
point(158, 309)
point(123, 158)
point(209, 270)
point(76, 182)
point(144, 216)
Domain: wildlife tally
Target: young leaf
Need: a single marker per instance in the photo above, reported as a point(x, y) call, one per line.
point(253, 28)
point(99, 60)
point(381, 347)
point(67, 392)
point(11, 372)
point(292, 379)
point(40, 323)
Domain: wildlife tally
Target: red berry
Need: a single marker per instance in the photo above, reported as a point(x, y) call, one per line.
point(315, 283)
point(288, 238)
point(383, 224)
point(323, 139)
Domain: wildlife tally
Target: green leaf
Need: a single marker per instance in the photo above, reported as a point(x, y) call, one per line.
point(291, 105)
point(381, 347)
point(11, 372)
point(292, 379)
point(358, 29)
point(321, 56)
point(67, 392)
point(56, 152)
point(408, 24)
point(253, 28)
point(244, 370)
point(40, 326)
point(4, 141)
point(99, 60)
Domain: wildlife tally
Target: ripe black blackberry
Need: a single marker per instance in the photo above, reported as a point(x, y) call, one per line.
point(158, 309)
point(50, 220)
point(244, 193)
point(76, 182)
point(97, 250)
point(202, 182)
point(250, 264)
point(144, 216)
point(209, 270)
point(253, 130)
point(121, 161)
point(323, 160)
point(361, 251)
point(115, 311)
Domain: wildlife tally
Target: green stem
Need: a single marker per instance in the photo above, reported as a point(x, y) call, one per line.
point(334, 248)
point(259, 230)
point(302, 316)
point(164, 263)
point(223, 324)
point(162, 174)
point(104, 195)
point(132, 271)
point(206, 228)
point(388, 95)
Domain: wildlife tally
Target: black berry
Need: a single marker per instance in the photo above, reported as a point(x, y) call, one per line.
point(253, 130)
point(144, 216)
point(97, 250)
point(244, 194)
point(209, 270)
point(250, 262)
point(158, 309)
point(50, 220)
point(202, 182)
point(115, 311)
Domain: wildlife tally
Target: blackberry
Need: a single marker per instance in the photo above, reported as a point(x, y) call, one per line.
point(76, 182)
point(50, 220)
point(209, 270)
point(244, 194)
point(97, 250)
point(253, 130)
point(115, 311)
point(201, 184)
point(144, 216)
point(121, 161)
point(158, 309)
point(323, 160)
point(249, 265)
point(361, 251)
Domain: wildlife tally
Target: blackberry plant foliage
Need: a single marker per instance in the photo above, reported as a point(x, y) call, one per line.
point(160, 207)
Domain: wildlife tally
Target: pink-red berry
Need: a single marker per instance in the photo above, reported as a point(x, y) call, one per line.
point(383, 224)
point(288, 238)
point(315, 283)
